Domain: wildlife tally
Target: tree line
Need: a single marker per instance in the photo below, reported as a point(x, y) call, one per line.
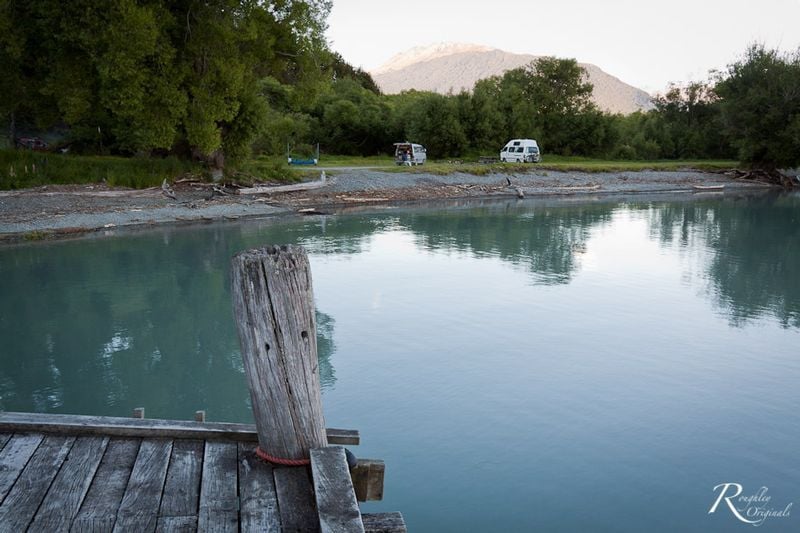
point(221, 80)
point(749, 112)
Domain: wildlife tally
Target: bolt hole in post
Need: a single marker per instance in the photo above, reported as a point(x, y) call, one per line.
point(304, 335)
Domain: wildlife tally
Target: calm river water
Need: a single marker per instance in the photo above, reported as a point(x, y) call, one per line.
point(584, 366)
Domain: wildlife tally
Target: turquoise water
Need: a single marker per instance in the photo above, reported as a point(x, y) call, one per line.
point(588, 366)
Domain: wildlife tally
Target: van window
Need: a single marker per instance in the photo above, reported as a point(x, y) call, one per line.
point(516, 143)
point(504, 148)
point(519, 149)
point(532, 150)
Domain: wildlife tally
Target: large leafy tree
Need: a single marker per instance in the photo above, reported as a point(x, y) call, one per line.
point(434, 122)
point(135, 76)
point(482, 117)
point(686, 123)
point(560, 94)
point(550, 100)
point(353, 119)
point(139, 80)
point(760, 102)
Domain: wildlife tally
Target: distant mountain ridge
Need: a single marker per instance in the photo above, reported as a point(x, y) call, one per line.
point(453, 67)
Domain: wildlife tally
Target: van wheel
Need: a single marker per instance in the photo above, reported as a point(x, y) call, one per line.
point(503, 160)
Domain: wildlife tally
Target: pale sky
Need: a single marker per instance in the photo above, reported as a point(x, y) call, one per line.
point(644, 43)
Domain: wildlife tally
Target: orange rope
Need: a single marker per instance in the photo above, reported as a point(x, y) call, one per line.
point(279, 461)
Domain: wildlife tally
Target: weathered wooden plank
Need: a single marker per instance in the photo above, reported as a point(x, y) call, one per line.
point(286, 188)
point(344, 437)
point(15, 455)
point(182, 487)
point(70, 486)
point(367, 478)
point(336, 501)
point(296, 499)
point(274, 309)
point(257, 497)
point(360, 478)
point(383, 523)
point(27, 494)
point(98, 511)
point(177, 524)
point(218, 521)
point(139, 508)
point(4, 437)
point(147, 428)
point(218, 491)
point(377, 469)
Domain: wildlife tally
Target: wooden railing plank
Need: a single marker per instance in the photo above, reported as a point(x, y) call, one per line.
point(343, 437)
point(71, 485)
point(336, 501)
point(11, 422)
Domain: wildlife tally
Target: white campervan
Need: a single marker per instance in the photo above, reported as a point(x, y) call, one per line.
point(409, 154)
point(520, 151)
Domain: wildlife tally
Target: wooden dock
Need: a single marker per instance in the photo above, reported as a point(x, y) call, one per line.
point(86, 473)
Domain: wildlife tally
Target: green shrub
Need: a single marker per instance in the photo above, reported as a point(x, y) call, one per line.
point(22, 169)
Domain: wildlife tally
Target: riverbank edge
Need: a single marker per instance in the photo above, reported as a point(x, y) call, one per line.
point(287, 206)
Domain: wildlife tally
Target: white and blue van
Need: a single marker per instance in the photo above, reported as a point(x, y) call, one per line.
point(520, 151)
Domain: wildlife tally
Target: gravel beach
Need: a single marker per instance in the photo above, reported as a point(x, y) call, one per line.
point(64, 210)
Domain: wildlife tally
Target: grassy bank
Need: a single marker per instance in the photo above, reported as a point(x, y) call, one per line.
point(575, 164)
point(271, 168)
point(23, 168)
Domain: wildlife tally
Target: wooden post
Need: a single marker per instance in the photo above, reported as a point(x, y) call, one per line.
point(273, 305)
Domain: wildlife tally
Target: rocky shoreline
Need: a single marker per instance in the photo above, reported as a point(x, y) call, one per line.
point(55, 211)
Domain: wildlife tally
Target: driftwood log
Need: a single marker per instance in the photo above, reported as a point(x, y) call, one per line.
point(274, 311)
point(773, 177)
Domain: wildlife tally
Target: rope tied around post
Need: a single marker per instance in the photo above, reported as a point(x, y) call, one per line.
point(280, 461)
point(352, 460)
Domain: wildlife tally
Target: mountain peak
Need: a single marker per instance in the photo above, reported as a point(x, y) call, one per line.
point(419, 54)
point(452, 67)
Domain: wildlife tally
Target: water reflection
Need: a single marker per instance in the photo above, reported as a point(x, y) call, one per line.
point(326, 347)
point(104, 325)
point(547, 240)
point(753, 244)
